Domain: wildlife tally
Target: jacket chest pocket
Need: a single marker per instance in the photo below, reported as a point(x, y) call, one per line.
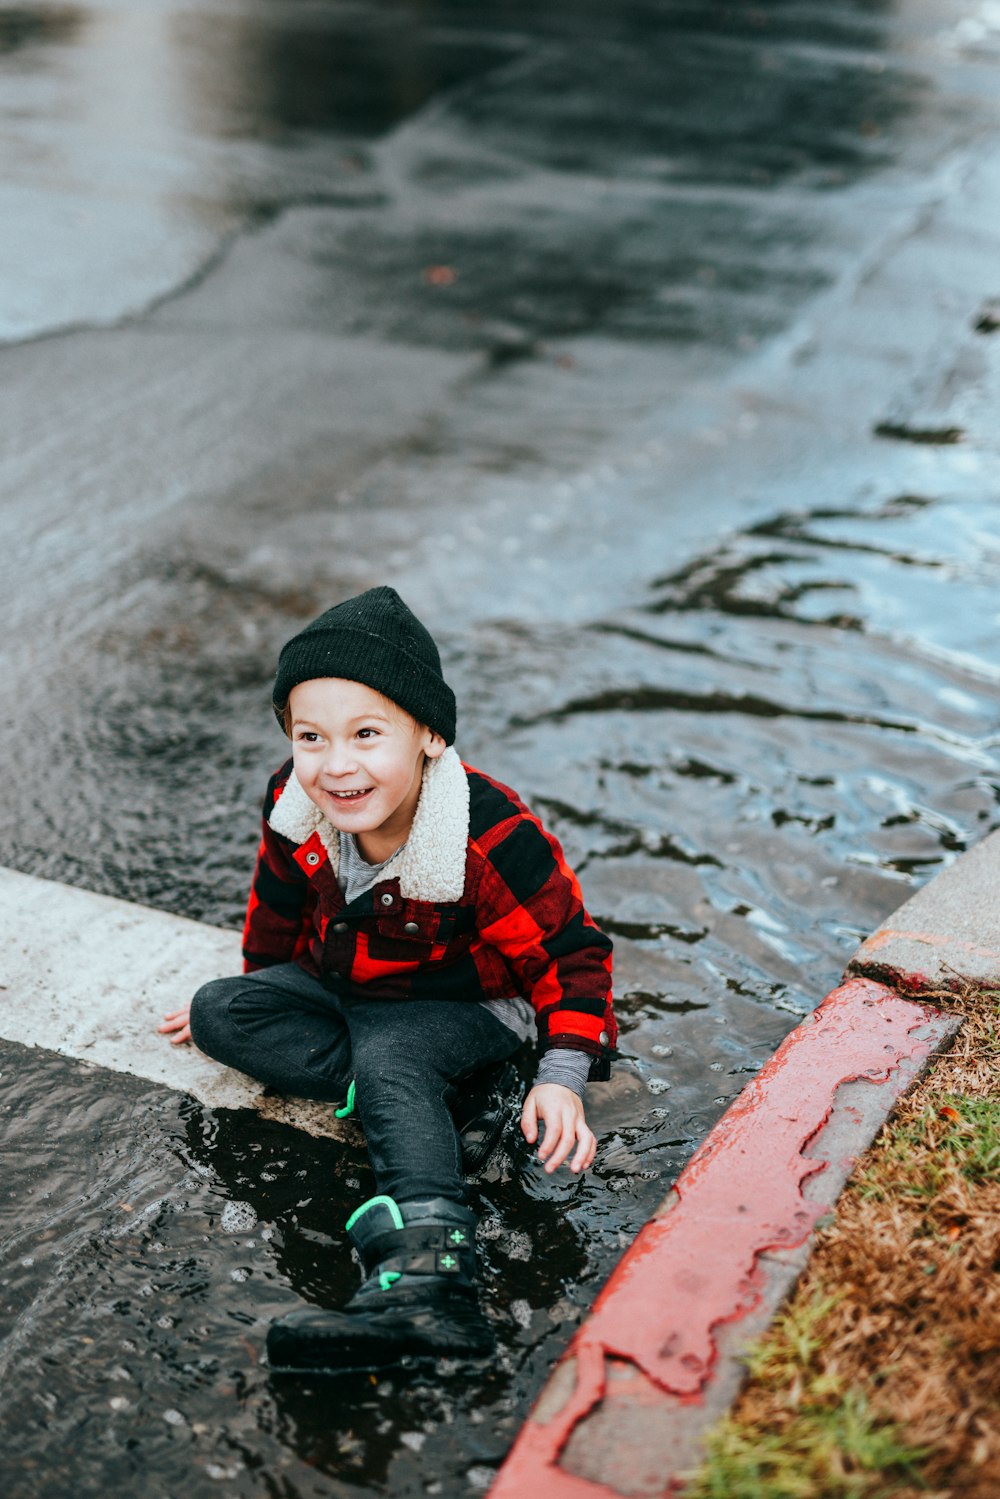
point(417, 933)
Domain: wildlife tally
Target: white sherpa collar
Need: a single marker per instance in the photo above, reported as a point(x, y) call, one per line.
point(431, 864)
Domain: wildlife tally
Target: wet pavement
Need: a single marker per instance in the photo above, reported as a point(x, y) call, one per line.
point(652, 355)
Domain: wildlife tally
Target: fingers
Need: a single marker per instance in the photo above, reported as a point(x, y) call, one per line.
point(586, 1150)
point(561, 1134)
point(529, 1120)
point(559, 1112)
point(177, 1021)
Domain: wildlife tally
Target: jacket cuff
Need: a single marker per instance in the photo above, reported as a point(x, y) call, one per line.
point(570, 1069)
point(600, 1060)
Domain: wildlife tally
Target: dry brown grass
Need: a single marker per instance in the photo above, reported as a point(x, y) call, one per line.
point(900, 1305)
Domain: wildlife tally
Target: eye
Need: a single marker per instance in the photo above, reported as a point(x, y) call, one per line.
point(368, 733)
point(306, 736)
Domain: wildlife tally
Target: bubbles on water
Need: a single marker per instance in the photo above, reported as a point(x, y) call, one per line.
point(173, 1418)
point(480, 1477)
point(238, 1218)
point(413, 1439)
point(239, 1274)
point(516, 1245)
point(521, 1312)
point(657, 1085)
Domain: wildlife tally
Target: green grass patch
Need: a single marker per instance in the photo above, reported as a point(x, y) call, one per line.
point(829, 1444)
point(974, 1138)
point(958, 1134)
point(779, 1359)
point(838, 1450)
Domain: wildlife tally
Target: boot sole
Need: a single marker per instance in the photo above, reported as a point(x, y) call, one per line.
point(405, 1361)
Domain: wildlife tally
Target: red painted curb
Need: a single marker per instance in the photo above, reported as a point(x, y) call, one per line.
point(694, 1266)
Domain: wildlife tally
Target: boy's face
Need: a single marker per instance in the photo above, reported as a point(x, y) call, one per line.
point(360, 758)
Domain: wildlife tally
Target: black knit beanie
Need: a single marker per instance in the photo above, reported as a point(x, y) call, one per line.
point(374, 639)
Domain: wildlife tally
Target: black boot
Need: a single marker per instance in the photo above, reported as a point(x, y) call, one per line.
point(419, 1296)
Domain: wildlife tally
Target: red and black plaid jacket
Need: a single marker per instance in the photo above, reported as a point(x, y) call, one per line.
point(480, 904)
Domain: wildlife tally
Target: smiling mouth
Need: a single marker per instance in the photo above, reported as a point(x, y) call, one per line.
point(346, 797)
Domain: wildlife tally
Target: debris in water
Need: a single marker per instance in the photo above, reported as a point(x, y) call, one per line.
point(989, 319)
point(934, 436)
point(521, 1312)
point(517, 1245)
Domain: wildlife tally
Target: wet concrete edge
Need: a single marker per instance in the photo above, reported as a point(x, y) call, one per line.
point(659, 1359)
point(91, 977)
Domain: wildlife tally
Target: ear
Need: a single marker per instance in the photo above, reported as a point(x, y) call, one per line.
point(434, 745)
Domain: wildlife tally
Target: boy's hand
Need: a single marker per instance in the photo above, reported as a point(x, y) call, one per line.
point(179, 1021)
point(560, 1110)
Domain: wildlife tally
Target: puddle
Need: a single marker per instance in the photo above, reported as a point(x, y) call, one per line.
point(804, 784)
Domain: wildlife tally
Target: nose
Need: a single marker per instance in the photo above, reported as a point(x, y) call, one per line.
point(340, 759)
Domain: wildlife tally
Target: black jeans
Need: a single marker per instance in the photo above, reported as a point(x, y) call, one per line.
point(284, 1028)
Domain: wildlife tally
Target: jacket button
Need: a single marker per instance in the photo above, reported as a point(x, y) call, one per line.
point(340, 926)
point(411, 929)
point(386, 899)
point(604, 1038)
point(312, 858)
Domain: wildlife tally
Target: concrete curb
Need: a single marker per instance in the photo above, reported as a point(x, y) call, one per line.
point(658, 1360)
point(947, 935)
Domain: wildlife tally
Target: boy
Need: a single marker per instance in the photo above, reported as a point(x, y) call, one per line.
point(408, 920)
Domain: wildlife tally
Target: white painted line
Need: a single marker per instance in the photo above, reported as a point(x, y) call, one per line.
point(92, 977)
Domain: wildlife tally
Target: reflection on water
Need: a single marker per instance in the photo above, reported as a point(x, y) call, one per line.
point(626, 161)
point(24, 26)
point(268, 72)
point(749, 767)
